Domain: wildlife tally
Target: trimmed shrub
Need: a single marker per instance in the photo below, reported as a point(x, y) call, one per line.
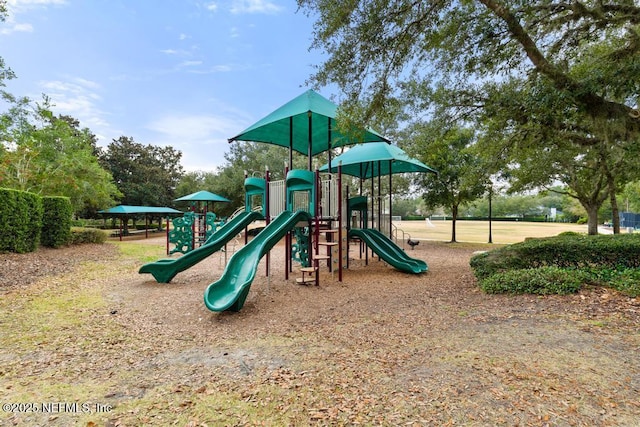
point(625, 280)
point(540, 281)
point(21, 217)
point(567, 251)
point(56, 221)
point(533, 265)
point(87, 235)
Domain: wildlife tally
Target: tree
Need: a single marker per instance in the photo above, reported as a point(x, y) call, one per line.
point(374, 48)
point(631, 197)
point(5, 72)
point(455, 60)
point(45, 155)
point(536, 137)
point(147, 175)
point(461, 177)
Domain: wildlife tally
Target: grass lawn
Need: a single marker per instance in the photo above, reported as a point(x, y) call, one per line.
point(478, 231)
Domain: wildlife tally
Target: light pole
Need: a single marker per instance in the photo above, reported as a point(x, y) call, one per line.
point(490, 193)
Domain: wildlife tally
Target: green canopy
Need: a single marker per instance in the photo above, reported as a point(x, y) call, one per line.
point(376, 159)
point(305, 124)
point(132, 210)
point(202, 196)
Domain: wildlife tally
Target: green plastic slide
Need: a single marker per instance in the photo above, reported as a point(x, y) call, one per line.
point(397, 250)
point(231, 290)
point(389, 251)
point(166, 269)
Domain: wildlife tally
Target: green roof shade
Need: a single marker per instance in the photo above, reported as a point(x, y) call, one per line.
point(305, 124)
point(130, 210)
point(202, 196)
point(376, 159)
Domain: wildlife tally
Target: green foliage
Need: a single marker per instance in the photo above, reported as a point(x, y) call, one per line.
point(626, 280)
point(550, 86)
point(87, 235)
point(540, 281)
point(146, 175)
point(610, 260)
point(21, 218)
point(56, 221)
point(567, 251)
point(462, 177)
point(51, 156)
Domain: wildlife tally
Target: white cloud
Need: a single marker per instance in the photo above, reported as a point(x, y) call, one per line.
point(221, 68)
point(21, 5)
point(254, 6)
point(16, 28)
point(202, 139)
point(189, 64)
point(78, 98)
point(17, 7)
point(212, 7)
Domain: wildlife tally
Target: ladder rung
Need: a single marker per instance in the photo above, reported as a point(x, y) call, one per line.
point(308, 269)
point(328, 243)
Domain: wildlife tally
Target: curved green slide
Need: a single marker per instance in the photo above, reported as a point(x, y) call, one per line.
point(166, 269)
point(400, 253)
point(231, 290)
point(389, 251)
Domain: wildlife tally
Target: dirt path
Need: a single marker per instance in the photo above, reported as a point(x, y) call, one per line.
point(380, 348)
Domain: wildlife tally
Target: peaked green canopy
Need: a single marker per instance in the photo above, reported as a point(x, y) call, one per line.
point(375, 159)
point(202, 196)
point(305, 124)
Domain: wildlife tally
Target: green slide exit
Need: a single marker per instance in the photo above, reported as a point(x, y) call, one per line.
point(231, 290)
point(166, 269)
point(389, 251)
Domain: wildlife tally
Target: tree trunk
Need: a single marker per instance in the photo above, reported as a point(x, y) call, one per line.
point(615, 212)
point(592, 219)
point(454, 217)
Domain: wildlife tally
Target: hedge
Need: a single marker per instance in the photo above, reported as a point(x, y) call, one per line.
point(556, 264)
point(21, 217)
point(56, 221)
point(566, 251)
point(87, 235)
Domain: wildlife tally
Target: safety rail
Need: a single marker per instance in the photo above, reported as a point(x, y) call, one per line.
point(277, 198)
point(396, 230)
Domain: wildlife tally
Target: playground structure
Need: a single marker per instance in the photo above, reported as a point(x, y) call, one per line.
point(310, 210)
point(196, 226)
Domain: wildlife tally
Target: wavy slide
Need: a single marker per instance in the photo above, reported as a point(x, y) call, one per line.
point(389, 251)
point(166, 269)
point(231, 290)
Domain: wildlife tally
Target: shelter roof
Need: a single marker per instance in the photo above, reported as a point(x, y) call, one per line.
point(130, 210)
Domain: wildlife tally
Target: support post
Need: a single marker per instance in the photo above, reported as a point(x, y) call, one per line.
point(339, 198)
point(267, 217)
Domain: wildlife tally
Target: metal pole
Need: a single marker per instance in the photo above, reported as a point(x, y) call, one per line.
point(340, 222)
point(266, 198)
point(390, 205)
point(490, 234)
point(290, 142)
point(310, 140)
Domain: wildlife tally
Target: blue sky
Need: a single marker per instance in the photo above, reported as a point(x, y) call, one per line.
point(185, 73)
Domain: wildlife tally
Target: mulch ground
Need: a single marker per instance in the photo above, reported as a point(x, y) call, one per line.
point(381, 347)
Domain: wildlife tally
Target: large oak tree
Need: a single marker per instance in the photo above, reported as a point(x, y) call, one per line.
point(453, 59)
